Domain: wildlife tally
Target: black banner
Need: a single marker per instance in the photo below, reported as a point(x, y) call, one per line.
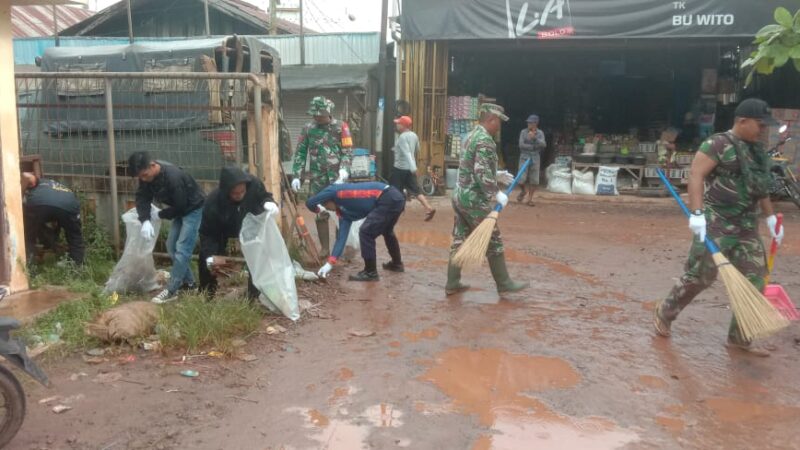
point(562, 19)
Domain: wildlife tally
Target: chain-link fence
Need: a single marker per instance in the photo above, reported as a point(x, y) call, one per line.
point(82, 126)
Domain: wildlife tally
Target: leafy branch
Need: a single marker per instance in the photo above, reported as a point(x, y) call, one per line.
point(778, 43)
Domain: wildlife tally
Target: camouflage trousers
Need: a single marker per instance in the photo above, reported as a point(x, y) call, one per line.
point(743, 249)
point(465, 221)
point(322, 179)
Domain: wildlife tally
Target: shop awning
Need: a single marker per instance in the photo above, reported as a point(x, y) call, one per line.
point(297, 78)
point(565, 19)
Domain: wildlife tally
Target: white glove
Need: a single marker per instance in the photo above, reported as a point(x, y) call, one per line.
point(325, 270)
point(321, 209)
point(698, 226)
point(772, 221)
point(210, 262)
point(271, 209)
point(296, 184)
point(343, 176)
point(504, 177)
point(148, 232)
point(501, 198)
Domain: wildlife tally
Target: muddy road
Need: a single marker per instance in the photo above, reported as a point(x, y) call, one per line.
point(571, 363)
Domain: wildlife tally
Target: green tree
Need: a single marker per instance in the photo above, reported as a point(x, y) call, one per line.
point(777, 44)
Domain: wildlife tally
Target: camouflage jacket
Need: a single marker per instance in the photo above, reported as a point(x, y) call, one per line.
point(477, 171)
point(329, 149)
point(728, 192)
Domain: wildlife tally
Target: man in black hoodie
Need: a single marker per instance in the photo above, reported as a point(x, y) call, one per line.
point(167, 184)
point(239, 193)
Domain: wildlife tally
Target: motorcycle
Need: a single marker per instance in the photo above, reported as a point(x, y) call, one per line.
point(784, 181)
point(13, 396)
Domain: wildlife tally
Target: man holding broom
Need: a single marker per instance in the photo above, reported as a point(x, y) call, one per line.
point(474, 197)
point(729, 180)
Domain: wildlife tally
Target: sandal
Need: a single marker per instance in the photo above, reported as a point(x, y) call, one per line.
point(429, 215)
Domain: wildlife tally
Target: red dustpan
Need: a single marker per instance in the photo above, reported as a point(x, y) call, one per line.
point(775, 292)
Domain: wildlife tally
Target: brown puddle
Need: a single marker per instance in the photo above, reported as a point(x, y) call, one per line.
point(339, 394)
point(318, 419)
point(344, 374)
point(652, 382)
point(393, 354)
point(671, 424)
point(731, 410)
point(492, 384)
point(26, 306)
point(428, 333)
point(341, 435)
point(395, 344)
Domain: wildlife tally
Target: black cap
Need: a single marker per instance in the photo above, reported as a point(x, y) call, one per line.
point(754, 108)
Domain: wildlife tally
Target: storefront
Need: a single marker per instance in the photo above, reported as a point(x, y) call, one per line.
point(605, 77)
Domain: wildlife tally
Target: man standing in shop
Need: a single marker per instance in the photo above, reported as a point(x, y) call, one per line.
point(474, 197)
point(328, 144)
point(729, 181)
point(165, 183)
point(531, 145)
point(404, 171)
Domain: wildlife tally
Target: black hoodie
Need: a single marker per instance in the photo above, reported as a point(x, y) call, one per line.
point(222, 218)
point(172, 187)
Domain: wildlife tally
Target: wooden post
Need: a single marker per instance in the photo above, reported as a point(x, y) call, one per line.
point(265, 161)
point(13, 239)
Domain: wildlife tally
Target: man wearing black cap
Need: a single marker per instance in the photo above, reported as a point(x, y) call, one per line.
point(531, 144)
point(728, 183)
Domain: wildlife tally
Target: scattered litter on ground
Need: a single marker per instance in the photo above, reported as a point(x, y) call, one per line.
point(247, 357)
point(238, 343)
point(94, 359)
point(216, 354)
point(275, 329)
point(47, 400)
point(360, 333)
point(78, 376)
point(151, 346)
point(241, 398)
point(127, 359)
point(190, 373)
point(125, 322)
point(96, 352)
point(58, 409)
point(110, 377)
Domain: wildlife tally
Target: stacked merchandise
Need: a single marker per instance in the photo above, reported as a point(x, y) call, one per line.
point(462, 114)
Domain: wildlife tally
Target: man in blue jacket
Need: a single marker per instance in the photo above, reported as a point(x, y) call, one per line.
point(380, 205)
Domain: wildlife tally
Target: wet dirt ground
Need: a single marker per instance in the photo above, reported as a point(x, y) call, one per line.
point(571, 363)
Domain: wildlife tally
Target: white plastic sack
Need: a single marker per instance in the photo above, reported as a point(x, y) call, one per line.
point(583, 183)
point(135, 271)
point(559, 180)
point(606, 182)
point(302, 274)
point(269, 263)
point(353, 240)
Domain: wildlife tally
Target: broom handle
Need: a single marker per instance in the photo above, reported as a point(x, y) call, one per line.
point(710, 245)
point(510, 189)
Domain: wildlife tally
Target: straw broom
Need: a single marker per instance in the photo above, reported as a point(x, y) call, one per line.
point(754, 314)
point(473, 251)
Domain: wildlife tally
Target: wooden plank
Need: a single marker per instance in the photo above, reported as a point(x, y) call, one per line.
point(210, 66)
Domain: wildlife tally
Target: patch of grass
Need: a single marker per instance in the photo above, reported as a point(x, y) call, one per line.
point(193, 322)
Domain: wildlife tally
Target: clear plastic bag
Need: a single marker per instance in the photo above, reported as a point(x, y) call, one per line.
point(270, 265)
point(135, 271)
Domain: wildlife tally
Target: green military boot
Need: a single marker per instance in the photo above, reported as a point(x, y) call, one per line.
point(324, 233)
point(454, 285)
point(497, 263)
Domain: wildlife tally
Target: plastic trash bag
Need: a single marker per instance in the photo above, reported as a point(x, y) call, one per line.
point(302, 274)
point(269, 263)
point(135, 271)
point(353, 239)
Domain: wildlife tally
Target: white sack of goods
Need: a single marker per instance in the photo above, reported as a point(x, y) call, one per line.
point(269, 264)
point(606, 182)
point(559, 180)
point(583, 183)
point(135, 272)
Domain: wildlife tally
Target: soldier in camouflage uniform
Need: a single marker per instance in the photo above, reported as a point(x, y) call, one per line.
point(474, 197)
point(730, 176)
point(327, 142)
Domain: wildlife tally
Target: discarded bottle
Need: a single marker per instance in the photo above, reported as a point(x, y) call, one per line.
point(190, 373)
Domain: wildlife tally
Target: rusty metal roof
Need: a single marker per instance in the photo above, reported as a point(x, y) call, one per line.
point(37, 20)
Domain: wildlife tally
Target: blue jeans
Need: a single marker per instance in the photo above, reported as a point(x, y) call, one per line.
point(180, 245)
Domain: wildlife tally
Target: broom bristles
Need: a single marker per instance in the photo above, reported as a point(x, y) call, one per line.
point(473, 251)
point(756, 316)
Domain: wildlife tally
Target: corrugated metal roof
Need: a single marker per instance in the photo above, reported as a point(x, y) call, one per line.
point(335, 48)
point(37, 20)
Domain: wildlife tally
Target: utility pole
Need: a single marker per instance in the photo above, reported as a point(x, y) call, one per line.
point(382, 85)
point(130, 23)
point(302, 38)
point(273, 16)
point(208, 24)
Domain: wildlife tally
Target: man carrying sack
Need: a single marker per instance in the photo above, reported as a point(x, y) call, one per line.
point(380, 205)
point(735, 168)
point(474, 197)
point(328, 144)
point(238, 194)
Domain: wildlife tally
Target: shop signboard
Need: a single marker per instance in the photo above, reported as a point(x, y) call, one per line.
point(571, 19)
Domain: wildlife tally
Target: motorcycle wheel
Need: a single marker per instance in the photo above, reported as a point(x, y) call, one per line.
point(12, 406)
point(794, 192)
point(427, 185)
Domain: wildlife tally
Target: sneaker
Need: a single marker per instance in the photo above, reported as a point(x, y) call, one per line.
point(392, 267)
point(662, 326)
point(164, 297)
point(365, 276)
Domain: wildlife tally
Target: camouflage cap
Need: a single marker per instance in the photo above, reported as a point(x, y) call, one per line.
point(497, 110)
point(320, 106)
